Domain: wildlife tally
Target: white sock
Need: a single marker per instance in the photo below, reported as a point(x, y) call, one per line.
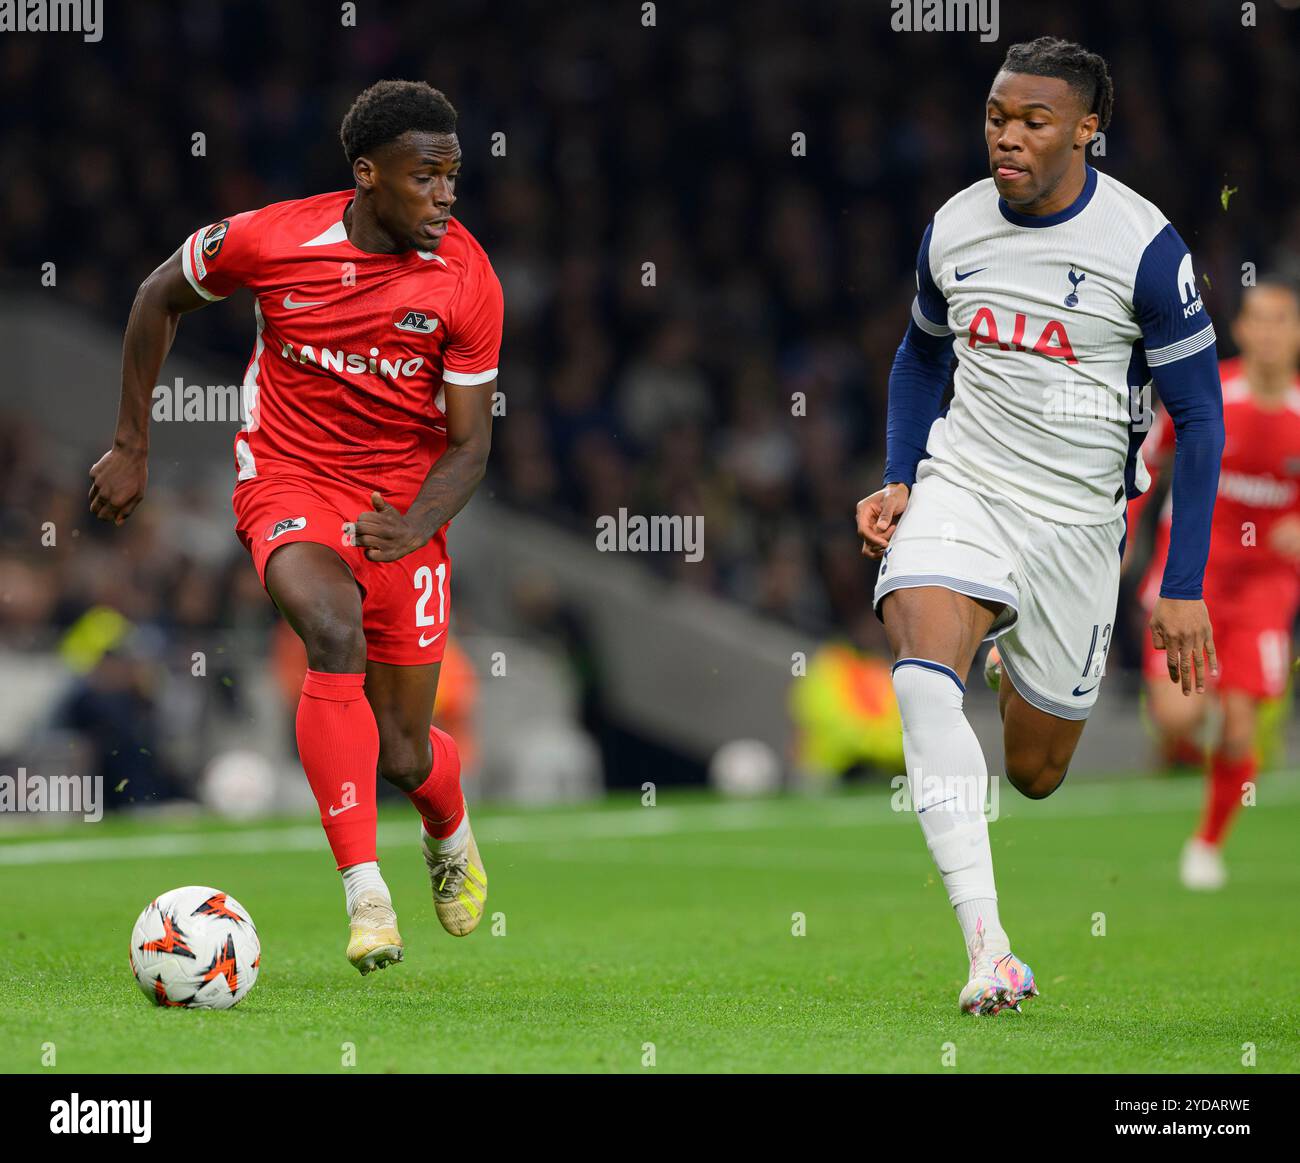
point(977, 916)
point(457, 838)
point(452, 842)
point(949, 780)
point(359, 878)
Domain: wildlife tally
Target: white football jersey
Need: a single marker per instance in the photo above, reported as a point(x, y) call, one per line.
point(1057, 321)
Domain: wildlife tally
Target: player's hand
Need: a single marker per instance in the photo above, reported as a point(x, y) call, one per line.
point(118, 480)
point(1182, 630)
point(878, 517)
point(1284, 538)
point(387, 533)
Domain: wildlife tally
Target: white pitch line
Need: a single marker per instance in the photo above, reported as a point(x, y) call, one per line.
point(632, 823)
point(1082, 800)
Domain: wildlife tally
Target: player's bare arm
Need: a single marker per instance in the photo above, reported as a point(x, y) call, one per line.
point(386, 533)
point(878, 517)
point(120, 475)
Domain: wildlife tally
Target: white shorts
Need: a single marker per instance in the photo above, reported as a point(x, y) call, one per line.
point(1059, 584)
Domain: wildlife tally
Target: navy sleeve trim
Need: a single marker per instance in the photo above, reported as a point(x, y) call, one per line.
point(930, 305)
point(1190, 391)
point(1166, 303)
point(917, 381)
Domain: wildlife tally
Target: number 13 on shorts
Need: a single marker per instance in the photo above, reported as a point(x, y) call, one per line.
point(1095, 666)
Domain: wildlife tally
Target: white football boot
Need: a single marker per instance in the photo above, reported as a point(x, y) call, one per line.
point(459, 882)
point(375, 943)
point(1201, 868)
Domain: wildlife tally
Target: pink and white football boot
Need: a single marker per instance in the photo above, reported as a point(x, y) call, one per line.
point(998, 981)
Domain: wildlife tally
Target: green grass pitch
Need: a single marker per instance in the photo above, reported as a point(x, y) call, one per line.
point(673, 925)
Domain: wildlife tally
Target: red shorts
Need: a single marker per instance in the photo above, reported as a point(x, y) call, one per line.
point(1251, 659)
point(405, 604)
point(1252, 637)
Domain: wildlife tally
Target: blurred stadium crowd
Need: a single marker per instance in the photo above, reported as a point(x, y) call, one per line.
point(776, 271)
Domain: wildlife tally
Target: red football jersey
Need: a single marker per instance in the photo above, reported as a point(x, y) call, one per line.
point(1259, 483)
point(352, 349)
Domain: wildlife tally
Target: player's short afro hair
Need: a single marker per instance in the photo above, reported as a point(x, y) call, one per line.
point(389, 109)
point(1085, 71)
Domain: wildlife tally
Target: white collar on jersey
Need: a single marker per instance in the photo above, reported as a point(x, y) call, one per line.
point(336, 233)
point(339, 233)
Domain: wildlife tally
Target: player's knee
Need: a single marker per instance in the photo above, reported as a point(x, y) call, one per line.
point(405, 762)
point(1036, 779)
point(1236, 746)
point(1171, 712)
point(1239, 730)
point(334, 643)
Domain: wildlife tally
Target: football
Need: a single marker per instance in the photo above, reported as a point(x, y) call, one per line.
point(196, 948)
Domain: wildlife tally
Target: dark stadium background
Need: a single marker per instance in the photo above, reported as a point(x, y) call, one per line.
point(775, 274)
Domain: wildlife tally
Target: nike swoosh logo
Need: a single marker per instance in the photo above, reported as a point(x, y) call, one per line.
point(432, 640)
point(1078, 692)
point(960, 275)
point(339, 811)
point(293, 305)
point(922, 811)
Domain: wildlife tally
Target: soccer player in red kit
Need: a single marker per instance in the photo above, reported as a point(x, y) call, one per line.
point(367, 403)
point(1252, 582)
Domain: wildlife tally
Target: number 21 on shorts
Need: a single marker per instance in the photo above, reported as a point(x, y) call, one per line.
point(424, 582)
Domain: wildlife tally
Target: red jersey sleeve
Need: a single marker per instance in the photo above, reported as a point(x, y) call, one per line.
point(474, 333)
point(222, 257)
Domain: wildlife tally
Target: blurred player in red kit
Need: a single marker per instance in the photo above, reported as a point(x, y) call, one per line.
point(367, 406)
point(1252, 583)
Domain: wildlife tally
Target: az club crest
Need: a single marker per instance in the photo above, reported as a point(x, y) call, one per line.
point(408, 319)
point(288, 525)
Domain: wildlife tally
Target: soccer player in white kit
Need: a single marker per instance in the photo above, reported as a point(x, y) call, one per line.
point(1063, 295)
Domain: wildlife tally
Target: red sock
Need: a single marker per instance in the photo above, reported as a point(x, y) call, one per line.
point(1228, 779)
point(439, 798)
point(338, 743)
